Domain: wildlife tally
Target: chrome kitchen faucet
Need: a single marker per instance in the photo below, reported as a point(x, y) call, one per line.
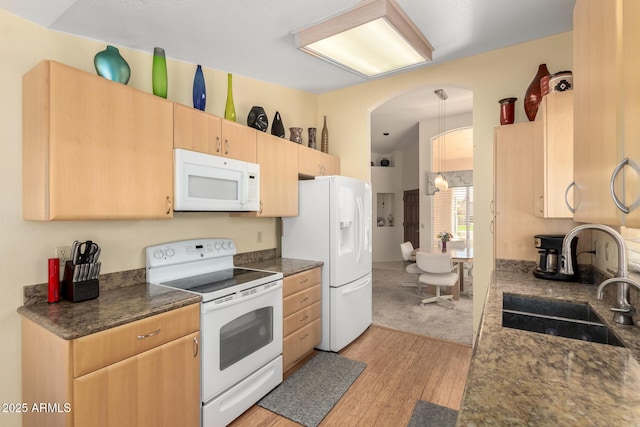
point(624, 312)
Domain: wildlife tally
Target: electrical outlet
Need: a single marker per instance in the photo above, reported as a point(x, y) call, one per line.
point(64, 253)
point(259, 237)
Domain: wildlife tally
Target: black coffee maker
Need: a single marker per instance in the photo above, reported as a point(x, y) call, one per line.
point(549, 251)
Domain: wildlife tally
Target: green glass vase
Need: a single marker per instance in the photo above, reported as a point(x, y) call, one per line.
point(230, 109)
point(159, 73)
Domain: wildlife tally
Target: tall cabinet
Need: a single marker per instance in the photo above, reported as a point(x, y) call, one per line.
point(607, 107)
point(514, 203)
point(553, 156)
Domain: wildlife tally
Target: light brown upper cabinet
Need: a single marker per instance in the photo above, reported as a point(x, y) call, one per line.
point(278, 160)
point(199, 131)
point(606, 110)
point(553, 156)
point(93, 148)
point(312, 163)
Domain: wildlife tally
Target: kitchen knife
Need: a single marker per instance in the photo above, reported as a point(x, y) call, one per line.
point(74, 252)
point(76, 273)
point(98, 265)
point(96, 255)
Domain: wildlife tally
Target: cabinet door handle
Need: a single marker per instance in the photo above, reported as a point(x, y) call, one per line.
point(625, 209)
point(260, 211)
point(566, 197)
point(540, 206)
point(306, 316)
point(492, 226)
point(218, 144)
point(226, 146)
point(150, 334)
point(168, 205)
point(304, 281)
point(492, 207)
point(196, 347)
point(305, 299)
point(304, 337)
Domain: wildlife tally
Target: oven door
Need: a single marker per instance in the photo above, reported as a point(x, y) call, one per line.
point(240, 334)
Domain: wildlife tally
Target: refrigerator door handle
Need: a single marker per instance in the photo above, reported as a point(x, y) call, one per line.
point(359, 230)
point(350, 290)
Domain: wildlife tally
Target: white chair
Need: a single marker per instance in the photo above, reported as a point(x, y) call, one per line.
point(437, 271)
point(407, 255)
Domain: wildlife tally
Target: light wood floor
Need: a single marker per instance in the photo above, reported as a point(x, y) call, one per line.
point(401, 368)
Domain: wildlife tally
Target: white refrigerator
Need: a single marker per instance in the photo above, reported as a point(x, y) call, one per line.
point(334, 226)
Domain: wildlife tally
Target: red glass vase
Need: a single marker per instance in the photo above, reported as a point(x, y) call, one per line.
point(533, 95)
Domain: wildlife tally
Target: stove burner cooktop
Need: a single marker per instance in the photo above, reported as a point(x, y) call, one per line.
point(217, 280)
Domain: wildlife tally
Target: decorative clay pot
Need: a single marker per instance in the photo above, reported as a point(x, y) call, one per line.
point(296, 135)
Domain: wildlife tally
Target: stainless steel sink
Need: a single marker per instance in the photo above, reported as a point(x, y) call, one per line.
point(552, 317)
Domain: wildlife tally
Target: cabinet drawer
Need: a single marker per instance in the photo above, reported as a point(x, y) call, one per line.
point(300, 281)
point(104, 348)
point(301, 300)
point(301, 318)
point(297, 345)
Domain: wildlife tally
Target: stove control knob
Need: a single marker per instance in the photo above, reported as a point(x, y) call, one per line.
point(218, 246)
point(224, 245)
point(170, 252)
point(158, 254)
point(230, 245)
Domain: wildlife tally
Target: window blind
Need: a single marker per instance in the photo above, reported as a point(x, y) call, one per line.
point(453, 212)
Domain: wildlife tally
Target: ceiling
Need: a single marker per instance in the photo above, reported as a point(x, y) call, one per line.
point(254, 38)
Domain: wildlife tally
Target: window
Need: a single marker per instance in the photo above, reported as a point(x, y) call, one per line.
point(453, 212)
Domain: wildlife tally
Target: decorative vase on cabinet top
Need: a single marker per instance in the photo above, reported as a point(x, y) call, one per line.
point(296, 135)
point(230, 109)
point(277, 128)
point(533, 95)
point(312, 138)
point(257, 118)
point(159, 73)
point(199, 90)
point(111, 65)
point(324, 143)
point(507, 110)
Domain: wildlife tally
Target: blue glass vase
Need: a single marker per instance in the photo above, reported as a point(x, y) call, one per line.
point(199, 90)
point(159, 73)
point(111, 65)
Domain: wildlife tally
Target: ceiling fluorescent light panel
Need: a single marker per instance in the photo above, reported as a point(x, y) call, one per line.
point(374, 38)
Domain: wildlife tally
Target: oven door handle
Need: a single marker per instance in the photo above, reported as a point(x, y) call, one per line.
point(224, 302)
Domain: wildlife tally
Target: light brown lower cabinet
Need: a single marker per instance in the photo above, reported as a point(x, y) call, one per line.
point(302, 312)
point(154, 382)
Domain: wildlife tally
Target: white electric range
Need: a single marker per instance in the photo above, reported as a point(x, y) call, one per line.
point(240, 322)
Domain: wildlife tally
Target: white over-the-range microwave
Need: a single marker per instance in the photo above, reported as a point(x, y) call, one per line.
point(206, 183)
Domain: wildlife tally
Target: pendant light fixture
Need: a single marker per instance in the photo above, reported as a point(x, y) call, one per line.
point(440, 181)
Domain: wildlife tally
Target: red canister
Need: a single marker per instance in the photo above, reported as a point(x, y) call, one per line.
point(54, 280)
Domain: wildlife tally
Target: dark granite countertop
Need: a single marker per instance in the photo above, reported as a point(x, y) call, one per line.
point(114, 307)
point(121, 302)
point(526, 378)
point(286, 266)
